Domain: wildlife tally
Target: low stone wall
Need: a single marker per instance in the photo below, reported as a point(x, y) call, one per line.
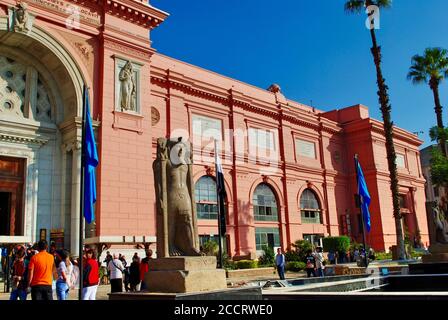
point(251, 273)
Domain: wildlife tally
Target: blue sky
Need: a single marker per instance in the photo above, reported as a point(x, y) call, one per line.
point(312, 49)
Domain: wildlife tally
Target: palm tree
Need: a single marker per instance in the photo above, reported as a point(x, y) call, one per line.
point(357, 6)
point(431, 68)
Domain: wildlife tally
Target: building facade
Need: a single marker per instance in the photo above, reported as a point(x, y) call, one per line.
point(288, 167)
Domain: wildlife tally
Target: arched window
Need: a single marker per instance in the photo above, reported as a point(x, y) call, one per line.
point(265, 204)
point(206, 198)
point(309, 207)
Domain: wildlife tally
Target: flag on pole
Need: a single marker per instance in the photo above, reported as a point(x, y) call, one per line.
point(90, 162)
point(364, 196)
point(221, 190)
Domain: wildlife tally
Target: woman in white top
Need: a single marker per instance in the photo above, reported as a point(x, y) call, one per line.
point(74, 280)
point(64, 269)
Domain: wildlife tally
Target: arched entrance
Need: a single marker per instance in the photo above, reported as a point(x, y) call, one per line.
point(40, 100)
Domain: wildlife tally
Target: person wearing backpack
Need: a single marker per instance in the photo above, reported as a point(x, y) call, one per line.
point(116, 269)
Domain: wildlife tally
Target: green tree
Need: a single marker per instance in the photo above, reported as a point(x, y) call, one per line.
point(439, 162)
point(357, 6)
point(431, 68)
point(268, 257)
point(301, 247)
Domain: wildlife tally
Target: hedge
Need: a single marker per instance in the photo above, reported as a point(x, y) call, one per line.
point(246, 264)
point(340, 244)
point(295, 266)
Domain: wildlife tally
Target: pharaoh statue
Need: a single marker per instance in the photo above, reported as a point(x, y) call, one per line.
point(176, 217)
point(127, 88)
point(440, 221)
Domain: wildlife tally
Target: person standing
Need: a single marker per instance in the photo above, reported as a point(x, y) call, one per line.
point(280, 263)
point(319, 258)
point(310, 263)
point(144, 267)
point(134, 274)
point(91, 277)
point(116, 269)
point(64, 269)
point(19, 284)
point(41, 272)
point(74, 279)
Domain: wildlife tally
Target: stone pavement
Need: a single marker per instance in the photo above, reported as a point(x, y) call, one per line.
point(103, 290)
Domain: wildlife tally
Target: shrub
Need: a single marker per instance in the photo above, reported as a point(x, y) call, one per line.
point(339, 244)
point(295, 266)
point(268, 257)
point(302, 246)
point(246, 264)
point(210, 248)
point(292, 255)
point(383, 255)
point(227, 263)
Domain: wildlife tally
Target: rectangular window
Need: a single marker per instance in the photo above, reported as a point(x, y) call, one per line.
point(314, 239)
point(310, 216)
point(400, 161)
point(305, 149)
point(207, 128)
point(260, 138)
point(267, 237)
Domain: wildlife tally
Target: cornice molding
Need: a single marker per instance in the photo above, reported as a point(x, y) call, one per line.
point(22, 139)
point(135, 11)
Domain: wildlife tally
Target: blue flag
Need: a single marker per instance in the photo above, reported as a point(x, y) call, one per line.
point(364, 196)
point(90, 163)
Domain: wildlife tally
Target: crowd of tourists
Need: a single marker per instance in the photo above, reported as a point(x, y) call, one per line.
point(44, 272)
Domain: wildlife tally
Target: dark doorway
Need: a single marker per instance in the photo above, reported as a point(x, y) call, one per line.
point(5, 213)
point(12, 181)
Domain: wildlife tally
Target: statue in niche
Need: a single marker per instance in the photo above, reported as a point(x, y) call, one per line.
point(21, 17)
point(127, 88)
point(177, 233)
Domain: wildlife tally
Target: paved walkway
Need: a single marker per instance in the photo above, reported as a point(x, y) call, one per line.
point(103, 290)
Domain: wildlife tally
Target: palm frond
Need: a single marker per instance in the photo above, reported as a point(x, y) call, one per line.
point(354, 6)
point(386, 4)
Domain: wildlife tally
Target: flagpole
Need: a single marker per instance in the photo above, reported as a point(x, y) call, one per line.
point(360, 207)
point(81, 211)
point(219, 207)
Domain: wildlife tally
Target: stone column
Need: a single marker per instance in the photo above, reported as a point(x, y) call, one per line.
point(76, 201)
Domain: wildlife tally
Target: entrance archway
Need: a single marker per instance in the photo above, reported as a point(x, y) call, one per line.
point(40, 105)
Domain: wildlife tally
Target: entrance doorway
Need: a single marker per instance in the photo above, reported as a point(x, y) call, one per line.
point(5, 212)
point(12, 176)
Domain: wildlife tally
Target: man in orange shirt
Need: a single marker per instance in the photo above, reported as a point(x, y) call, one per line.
point(41, 272)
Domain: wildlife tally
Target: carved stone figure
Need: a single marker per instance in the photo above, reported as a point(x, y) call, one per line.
point(21, 17)
point(176, 217)
point(441, 223)
point(127, 88)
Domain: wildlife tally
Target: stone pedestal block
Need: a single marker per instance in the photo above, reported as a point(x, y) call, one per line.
point(184, 275)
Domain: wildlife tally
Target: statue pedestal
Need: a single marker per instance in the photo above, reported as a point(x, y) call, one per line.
point(438, 253)
point(184, 275)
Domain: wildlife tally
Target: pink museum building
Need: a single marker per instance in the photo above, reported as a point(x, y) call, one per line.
point(288, 167)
